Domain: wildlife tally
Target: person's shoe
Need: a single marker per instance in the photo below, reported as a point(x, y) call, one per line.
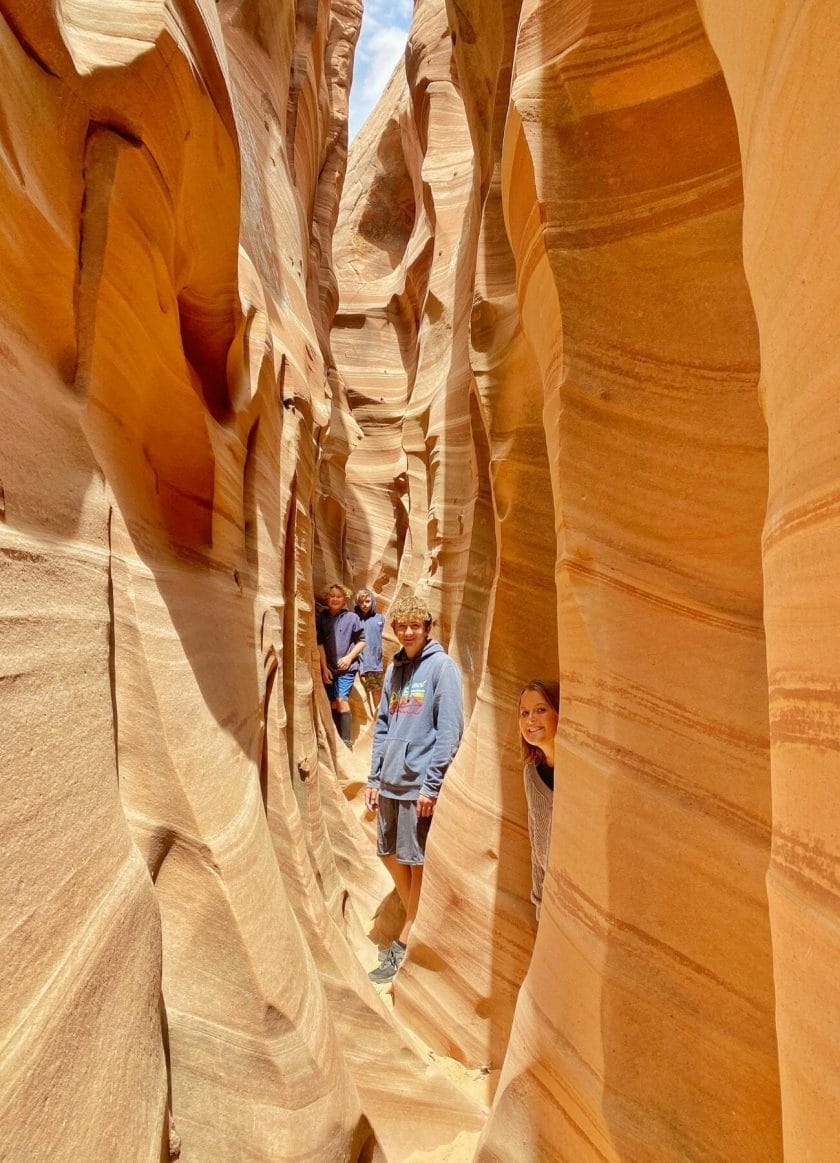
point(383, 953)
point(389, 963)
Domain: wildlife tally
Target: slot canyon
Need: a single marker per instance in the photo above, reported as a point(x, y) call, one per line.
point(550, 345)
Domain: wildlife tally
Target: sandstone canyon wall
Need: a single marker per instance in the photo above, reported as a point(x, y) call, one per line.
point(585, 258)
point(184, 879)
point(574, 382)
point(781, 68)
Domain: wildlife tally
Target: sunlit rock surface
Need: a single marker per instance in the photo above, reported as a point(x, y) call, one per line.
point(586, 324)
point(781, 68)
point(573, 379)
point(185, 884)
point(650, 995)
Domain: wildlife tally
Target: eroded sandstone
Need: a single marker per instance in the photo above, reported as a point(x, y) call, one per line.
point(574, 383)
point(616, 338)
point(185, 875)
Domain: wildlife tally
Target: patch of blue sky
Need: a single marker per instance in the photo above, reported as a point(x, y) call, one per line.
point(382, 40)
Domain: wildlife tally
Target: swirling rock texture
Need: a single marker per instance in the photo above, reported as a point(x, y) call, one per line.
point(781, 70)
point(587, 325)
point(583, 358)
point(183, 878)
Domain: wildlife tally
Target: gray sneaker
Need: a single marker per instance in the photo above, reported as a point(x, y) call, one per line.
point(383, 953)
point(389, 963)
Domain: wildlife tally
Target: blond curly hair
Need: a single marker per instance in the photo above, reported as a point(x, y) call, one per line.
point(410, 607)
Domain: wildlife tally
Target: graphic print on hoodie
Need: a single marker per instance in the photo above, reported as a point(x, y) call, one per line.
point(408, 701)
point(419, 724)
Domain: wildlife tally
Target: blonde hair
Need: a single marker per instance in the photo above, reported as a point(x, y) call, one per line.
point(348, 594)
point(411, 607)
point(550, 691)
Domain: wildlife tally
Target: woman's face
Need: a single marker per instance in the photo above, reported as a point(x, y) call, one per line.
point(537, 718)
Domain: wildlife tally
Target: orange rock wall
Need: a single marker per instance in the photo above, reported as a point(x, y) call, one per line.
point(184, 879)
point(780, 64)
point(639, 278)
point(579, 392)
point(651, 989)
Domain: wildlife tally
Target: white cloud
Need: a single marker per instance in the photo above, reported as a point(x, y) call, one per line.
point(385, 25)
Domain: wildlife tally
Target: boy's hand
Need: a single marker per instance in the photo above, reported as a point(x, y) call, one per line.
point(425, 806)
point(371, 798)
point(326, 675)
point(342, 663)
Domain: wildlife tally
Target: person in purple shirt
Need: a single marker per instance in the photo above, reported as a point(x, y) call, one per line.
point(341, 639)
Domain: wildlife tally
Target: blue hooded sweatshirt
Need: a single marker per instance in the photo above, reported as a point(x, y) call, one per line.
point(419, 725)
point(373, 623)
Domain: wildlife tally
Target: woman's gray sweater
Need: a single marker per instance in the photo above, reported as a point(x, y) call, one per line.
point(540, 800)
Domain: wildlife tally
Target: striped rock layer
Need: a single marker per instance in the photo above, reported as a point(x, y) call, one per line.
point(587, 328)
point(573, 381)
point(183, 877)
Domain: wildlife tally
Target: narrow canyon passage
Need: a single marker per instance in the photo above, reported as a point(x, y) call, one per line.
point(551, 346)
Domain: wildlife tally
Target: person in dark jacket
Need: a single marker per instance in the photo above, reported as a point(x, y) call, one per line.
point(370, 664)
point(417, 733)
point(341, 639)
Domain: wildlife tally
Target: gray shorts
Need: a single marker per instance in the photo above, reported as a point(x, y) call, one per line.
point(398, 830)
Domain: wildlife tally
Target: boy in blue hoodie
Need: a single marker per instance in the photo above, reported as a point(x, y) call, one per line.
point(370, 664)
point(417, 733)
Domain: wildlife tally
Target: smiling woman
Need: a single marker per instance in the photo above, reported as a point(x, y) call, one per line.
point(539, 713)
point(381, 44)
